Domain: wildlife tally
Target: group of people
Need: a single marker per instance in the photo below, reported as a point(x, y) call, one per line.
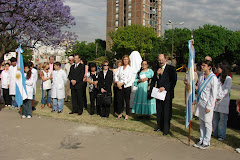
point(8, 85)
point(212, 91)
point(212, 100)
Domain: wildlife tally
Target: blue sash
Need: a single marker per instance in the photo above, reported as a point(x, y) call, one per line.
point(204, 84)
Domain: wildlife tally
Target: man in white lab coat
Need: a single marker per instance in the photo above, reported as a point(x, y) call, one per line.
point(58, 88)
point(206, 98)
point(12, 80)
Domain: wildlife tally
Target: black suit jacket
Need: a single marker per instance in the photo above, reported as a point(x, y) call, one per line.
point(166, 80)
point(105, 83)
point(173, 79)
point(78, 75)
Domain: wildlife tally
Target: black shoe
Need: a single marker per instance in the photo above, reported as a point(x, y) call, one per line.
point(157, 130)
point(79, 113)
point(165, 134)
point(53, 110)
point(33, 108)
point(71, 113)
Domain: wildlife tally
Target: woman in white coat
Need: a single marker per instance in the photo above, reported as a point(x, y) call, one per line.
point(27, 103)
point(221, 109)
point(206, 98)
point(58, 88)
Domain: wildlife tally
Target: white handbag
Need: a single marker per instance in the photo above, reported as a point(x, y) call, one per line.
point(47, 84)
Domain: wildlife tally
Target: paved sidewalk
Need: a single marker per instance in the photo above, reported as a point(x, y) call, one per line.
point(42, 138)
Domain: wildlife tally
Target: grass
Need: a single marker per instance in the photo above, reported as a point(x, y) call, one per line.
point(146, 126)
point(236, 79)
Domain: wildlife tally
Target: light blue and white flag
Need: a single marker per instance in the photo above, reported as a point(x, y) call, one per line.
point(190, 91)
point(21, 91)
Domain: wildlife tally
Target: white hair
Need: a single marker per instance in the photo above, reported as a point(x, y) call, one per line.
point(70, 57)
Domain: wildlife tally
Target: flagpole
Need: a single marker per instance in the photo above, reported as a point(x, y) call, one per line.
point(189, 132)
point(189, 135)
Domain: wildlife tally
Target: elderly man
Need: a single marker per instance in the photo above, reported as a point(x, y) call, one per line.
point(166, 78)
point(76, 76)
point(67, 70)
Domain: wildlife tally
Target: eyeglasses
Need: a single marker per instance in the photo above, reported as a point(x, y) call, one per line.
point(105, 65)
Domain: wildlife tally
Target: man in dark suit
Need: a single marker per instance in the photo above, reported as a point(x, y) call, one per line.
point(75, 77)
point(164, 78)
point(105, 80)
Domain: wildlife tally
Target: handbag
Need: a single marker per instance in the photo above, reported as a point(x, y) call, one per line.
point(47, 85)
point(104, 98)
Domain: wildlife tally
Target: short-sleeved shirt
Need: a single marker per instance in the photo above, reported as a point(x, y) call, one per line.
point(92, 77)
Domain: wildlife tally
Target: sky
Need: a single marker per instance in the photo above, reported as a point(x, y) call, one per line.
point(90, 15)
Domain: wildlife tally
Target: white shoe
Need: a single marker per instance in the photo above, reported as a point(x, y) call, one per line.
point(238, 150)
point(29, 116)
point(23, 116)
point(197, 145)
point(220, 139)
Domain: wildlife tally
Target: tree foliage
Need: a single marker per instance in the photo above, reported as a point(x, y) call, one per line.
point(29, 22)
point(215, 41)
point(131, 38)
point(90, 51)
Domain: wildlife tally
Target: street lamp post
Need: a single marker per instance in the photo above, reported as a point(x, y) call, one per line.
point(172, 23)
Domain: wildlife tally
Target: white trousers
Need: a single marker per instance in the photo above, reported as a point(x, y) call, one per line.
point(205, 132)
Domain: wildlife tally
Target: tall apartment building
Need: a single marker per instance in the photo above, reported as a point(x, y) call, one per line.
point(121, 13)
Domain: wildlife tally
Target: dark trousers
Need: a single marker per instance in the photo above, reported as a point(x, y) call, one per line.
point(6, 97)
point(27, 107)
point(163, 115)
point(170, 105)
point(77, 100)
point(105, 110)
point(124, 95)
point(115, 103)
point(93, 99)
point(85, 95)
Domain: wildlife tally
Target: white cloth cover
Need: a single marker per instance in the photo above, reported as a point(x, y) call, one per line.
point(136, 61)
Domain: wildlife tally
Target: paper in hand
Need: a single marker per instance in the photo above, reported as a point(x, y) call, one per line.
point(158, 95)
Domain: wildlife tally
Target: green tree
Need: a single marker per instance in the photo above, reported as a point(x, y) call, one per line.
point(130, 38)
point(180, 41)
point(27, 55)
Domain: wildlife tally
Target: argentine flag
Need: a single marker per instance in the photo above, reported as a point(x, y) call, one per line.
point(190, 92)
point(21, 91)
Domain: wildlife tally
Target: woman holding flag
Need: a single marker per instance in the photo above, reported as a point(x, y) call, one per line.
point(27, 103)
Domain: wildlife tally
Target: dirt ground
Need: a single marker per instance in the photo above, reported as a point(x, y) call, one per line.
point(43, 138)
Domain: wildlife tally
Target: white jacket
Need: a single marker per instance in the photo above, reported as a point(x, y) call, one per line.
point(58, 85)
point(29, 86)
point(124, 76)
point(12, 79)
point(207, 99)
point(223, 96)
point(4, 76)
point(35, 78)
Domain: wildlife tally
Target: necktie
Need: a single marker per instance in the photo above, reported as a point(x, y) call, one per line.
point(161, 70)
point(75, 66)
